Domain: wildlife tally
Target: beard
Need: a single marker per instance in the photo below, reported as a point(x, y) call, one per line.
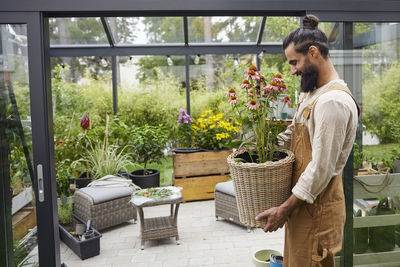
point(309, 78)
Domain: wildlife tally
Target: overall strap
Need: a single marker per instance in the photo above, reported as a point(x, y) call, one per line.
point(308, 108)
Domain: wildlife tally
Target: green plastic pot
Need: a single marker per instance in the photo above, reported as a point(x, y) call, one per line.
point(360, 244)
point(382, 238)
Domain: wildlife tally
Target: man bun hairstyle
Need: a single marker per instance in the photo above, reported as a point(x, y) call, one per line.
point(307, 35)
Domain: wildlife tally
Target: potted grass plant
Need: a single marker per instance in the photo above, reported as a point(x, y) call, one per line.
point(148, 145)
point(103, 159)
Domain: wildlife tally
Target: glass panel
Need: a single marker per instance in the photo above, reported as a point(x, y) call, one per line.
point(378, 55)
point(16, 137)
point(277, 28)
point(223, 29)
point(75, 31)
point(79, 85)
point(152, 91)
point(147, 30)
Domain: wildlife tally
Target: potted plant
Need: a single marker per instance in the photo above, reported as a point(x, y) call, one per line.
point(84, 177)
point(198, 173)
point(261, 172)
point(103, 159)
point(86, 247)
point(214, 130)
point(148, 144)
point(184, 133)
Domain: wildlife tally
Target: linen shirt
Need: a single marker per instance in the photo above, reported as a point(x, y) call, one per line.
point(332, 128)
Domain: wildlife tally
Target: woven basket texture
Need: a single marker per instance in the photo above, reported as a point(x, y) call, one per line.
point(260, 186)
point(105, 214)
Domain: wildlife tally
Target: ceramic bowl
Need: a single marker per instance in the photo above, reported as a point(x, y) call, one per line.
point(260, 257)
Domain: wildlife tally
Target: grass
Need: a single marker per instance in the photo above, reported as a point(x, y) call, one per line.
point(381, 152)
point(385, 153)
point(165, 168)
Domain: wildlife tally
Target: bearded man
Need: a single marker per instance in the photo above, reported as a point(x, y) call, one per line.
point(321, 136)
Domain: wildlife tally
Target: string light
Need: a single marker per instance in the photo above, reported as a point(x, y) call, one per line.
point(103, 62)
point(197, 60)
point(235, 62)
point(62, 70)
point(169, 61)
point(261, 54)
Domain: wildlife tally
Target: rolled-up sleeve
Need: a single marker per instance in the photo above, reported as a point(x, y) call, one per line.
point(331, 119)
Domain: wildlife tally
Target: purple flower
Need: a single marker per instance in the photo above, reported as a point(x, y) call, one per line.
point(184, 117)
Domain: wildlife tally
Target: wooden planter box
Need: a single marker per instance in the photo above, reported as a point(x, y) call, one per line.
point(198, 173)
point(23, 221)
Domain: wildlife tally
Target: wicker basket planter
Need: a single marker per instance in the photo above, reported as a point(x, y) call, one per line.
point(260, 186)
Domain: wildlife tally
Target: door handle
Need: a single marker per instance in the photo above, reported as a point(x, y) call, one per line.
point(40, 182)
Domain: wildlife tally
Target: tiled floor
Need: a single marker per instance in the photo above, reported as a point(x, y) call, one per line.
point(204, 242)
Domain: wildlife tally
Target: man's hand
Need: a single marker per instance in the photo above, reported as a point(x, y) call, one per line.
point(276, 218)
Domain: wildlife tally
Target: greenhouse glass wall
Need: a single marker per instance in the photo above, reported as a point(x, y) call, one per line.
point(132, 66)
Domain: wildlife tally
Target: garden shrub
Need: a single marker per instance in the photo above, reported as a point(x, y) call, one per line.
point(381, 104)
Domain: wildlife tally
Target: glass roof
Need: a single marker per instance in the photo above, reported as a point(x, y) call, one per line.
point(223, 29)
point(146, 30)
point(126, 31)
point(74, 31)
point(276, 28)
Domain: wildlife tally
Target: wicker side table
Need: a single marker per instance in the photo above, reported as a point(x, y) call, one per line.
point(160, 227)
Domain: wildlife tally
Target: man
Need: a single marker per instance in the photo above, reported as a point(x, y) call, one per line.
point(321, 136)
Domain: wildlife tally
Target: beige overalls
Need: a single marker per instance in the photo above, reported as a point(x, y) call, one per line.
point(313, 232)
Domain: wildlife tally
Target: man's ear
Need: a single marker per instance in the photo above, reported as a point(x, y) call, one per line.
point(313, 51)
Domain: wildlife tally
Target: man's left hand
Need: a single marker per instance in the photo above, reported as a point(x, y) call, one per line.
point(276, 218)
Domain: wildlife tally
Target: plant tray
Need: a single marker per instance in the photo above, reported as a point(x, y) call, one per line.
point(84, 249)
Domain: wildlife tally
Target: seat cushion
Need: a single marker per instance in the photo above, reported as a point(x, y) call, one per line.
point(104, 194)
point(226, 188)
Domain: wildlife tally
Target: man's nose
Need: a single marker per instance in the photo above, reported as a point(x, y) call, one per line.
point(294, 70)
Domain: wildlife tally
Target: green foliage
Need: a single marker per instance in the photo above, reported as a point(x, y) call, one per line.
point(385, 153)
point(65, 210)
point(21, 257)
point(148, 143)
point(103, 159)
point(358, 157)
point(381, 104)
point(150, 103)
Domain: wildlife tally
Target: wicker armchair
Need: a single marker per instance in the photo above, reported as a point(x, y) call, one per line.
point(225, 203)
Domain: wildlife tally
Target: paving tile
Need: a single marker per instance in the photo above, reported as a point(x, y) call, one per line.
point(204, 242)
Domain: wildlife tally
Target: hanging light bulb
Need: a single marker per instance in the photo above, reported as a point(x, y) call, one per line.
point(62, 71)
point(19, 51)
point(197, 60)
point(131, 60)
point(103, 62)
point(81, 61)
point(169, 61)
point(261, 54)
point(235, 62)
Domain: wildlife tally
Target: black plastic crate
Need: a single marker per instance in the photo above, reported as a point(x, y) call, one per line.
point(84, 249)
